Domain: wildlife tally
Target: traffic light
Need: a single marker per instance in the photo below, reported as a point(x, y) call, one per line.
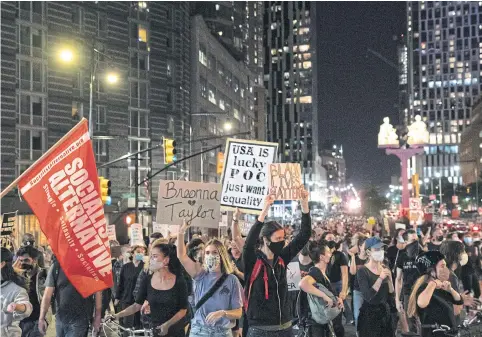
point(220, 163)
point(169, 150)
point(415, 185)
point(105, 190)
point(129, 219)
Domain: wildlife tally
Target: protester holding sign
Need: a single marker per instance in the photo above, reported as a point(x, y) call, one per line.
point(217, 292)
point(267, 308)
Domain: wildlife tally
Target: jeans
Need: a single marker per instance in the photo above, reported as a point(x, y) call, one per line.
point(337, 287)
point(255, 332)
point(210, 331)
point(78, 328)
point(357, 303)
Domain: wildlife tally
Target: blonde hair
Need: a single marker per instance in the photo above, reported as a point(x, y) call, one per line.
point(412, 302)
point(226, 267)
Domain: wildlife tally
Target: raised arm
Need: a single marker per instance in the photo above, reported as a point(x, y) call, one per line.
point(236, 230)
point(302, 238)
point(192, 268)
point(249, 249)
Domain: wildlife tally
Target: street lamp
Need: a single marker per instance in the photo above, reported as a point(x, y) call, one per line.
point(67, 56)
point(227, 126)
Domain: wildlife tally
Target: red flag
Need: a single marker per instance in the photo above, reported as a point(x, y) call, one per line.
point(62, 189)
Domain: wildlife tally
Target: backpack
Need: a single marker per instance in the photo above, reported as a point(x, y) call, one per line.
point(258, 266)
point(320, 313)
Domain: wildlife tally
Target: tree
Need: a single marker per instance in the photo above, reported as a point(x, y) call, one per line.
point(373, 201)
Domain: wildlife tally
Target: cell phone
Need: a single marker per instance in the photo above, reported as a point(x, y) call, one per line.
point(419, 231)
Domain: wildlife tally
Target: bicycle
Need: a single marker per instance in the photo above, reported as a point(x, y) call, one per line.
point(130, 331)
point(445, 329)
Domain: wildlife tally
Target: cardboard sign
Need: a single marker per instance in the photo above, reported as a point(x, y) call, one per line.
point(293, 276)
point(166, 230)
point(245, 175)
point(245, 227)
point(111, 233)
point(136, 236)
point(285, 181)
point(224, 221)
point(62, 189)
point(197, 203)
point(8, 224)
point(415, 204)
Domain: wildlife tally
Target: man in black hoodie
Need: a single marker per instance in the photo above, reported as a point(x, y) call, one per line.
point(267, 307)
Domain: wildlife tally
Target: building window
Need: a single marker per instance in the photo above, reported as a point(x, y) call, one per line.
point(143, 62)
point(139, 124)
point(30, 110)
point(29, 144)
point(100, 148)
point(212, 94)
point(142, 33)
point(203, 59)
point(101, 115)
point(203, 86)
point(212, 62)
point(77, 16)
point(102, 24)
point(76, 110)
point(169, 68)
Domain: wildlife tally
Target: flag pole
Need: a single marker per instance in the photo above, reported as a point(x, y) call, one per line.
point(67, 135)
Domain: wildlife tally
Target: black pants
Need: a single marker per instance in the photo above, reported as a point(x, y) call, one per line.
point(30, 329)
point(132, 321)
point(375, 321)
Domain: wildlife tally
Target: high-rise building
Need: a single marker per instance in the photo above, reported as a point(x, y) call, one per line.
point(147, 44)
point(444, 74)
point(471, 147)
point(238, 26)
point(289, 76)
point(222, 99)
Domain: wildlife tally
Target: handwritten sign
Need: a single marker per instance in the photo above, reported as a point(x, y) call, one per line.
point(197, 203)
point(293, 275)
point(245, 227)
point(111, 233)
point(245, 174)
point(224, 221)
point(8, 227)
point(165, 230)
point(285, 180)
point(136, 234)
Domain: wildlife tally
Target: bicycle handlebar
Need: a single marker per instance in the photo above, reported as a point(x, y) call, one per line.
point(128, 330)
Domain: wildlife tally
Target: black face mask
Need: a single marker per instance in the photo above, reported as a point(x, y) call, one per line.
point(440, 238)
point(305, 251)
point(413, 249)
point(331, 244)
point(276, 247)
point(26, 266)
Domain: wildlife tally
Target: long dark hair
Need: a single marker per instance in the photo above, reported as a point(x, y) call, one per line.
point(452, 251)
point(8, 273)
point(170, 251)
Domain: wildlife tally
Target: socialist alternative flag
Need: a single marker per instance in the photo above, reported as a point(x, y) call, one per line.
point(62, 189)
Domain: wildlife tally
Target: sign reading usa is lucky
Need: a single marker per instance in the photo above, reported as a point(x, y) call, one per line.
point(62, 189)
point(245, 174)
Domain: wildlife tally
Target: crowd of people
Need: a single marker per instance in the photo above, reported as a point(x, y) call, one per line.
point(238, 286)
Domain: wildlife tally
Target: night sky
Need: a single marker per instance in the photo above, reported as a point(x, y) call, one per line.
point(357, 89)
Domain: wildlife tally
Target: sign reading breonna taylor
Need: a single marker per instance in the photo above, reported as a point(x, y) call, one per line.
point(245, 174)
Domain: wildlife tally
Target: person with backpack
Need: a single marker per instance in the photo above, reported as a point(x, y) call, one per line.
point(320, 254)
point(217, 292)
point(267, 307)
point(73, 312)
point(166, 292)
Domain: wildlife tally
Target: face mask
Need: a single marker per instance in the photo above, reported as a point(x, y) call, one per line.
point(464, 258)
point(276, 247)
point(378, 256)
point(468, 240)
point(331, 244)
point(212, 262)
point(155, 265)
point(139, 256)
point(400, 240)
point(26, 266)
point(443, 275)
point(440, 238)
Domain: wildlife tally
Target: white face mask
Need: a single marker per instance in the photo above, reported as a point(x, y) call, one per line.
point(464, 258)
point(155, 265)
point(211, 262)
point(378, 255)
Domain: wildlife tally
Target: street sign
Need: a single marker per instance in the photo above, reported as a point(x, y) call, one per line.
point(433, 197)
point(415, 204)
point(455, 199)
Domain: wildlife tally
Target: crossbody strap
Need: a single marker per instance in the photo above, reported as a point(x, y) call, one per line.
point(211, 292)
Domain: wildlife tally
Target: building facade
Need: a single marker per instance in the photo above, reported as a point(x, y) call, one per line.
point(444, 73)
point(471, 147)
point(147, 44)
point(333, 161)
point(223, 99)
point(290, 59)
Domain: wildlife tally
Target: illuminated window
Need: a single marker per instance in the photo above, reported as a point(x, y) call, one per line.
point(302, 31)
point(203, 58)
point(304, 47)
point(142, 4)
point(142, 33)
point(305, 99)
point(307, 65)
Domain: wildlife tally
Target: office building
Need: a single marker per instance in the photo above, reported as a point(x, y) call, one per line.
point(223, 99)
point(146, 44)
point(289, 76)
point(471, 147)
point(333, 161)
point(444, 73)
